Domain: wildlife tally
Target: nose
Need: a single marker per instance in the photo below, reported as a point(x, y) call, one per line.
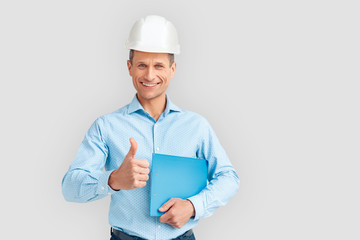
point(150, 74)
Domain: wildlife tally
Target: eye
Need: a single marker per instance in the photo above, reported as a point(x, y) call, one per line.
point(159, 66)
point(141, 65)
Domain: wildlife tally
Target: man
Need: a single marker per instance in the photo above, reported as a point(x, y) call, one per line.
point(122, 143)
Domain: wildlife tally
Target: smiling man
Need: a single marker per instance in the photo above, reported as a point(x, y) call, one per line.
point(115, 155)
point(151, 74)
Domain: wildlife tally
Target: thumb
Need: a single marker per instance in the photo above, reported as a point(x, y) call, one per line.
point(133, 148)
point(166, 206)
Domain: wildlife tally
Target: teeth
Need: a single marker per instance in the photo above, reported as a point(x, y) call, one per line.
point(149, 85)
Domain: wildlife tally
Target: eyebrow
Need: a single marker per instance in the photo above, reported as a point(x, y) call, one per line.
point(141, 62)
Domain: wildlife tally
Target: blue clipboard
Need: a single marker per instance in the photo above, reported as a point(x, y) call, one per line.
point(175, 177)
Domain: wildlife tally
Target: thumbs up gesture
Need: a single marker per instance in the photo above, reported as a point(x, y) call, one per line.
point(132, 173)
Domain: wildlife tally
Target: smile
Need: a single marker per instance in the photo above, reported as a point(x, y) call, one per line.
point(149, 85)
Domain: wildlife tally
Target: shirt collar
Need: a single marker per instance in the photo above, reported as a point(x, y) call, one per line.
point(136, 106)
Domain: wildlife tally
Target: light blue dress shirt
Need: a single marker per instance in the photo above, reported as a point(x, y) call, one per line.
point(177, 132)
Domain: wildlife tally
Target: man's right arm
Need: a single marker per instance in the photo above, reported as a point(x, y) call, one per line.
point(85, 180)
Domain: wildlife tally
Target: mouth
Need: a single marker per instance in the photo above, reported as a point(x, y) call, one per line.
point(149, 85)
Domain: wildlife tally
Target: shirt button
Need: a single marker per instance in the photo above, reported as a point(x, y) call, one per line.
point(157, 149)
point(159, 226)
point(102, 188)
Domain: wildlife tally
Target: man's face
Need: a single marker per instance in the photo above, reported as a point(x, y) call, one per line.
point(151, 74)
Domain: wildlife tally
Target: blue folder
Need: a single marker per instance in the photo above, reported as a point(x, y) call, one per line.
point(175, 177)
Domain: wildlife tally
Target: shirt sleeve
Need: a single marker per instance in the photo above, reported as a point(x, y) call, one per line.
point(86, 180)
point(223, 180)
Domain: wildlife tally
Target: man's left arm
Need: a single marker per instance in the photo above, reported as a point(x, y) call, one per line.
point(223, 185)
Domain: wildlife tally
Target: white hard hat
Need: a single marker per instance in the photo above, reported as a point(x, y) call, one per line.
point(153, 34)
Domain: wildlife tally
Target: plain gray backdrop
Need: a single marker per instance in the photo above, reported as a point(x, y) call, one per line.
point(278, 81)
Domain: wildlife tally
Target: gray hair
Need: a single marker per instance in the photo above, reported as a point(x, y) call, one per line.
point(171, 57)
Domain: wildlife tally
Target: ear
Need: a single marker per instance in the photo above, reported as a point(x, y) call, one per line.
point(129, 65)
point(173, 68)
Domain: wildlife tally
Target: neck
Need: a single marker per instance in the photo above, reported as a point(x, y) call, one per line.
point(155, 107)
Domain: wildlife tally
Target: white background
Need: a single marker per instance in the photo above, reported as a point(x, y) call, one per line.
point(278, 81)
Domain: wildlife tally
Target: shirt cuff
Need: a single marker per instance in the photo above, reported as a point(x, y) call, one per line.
point(103, 186)
point(198, 205)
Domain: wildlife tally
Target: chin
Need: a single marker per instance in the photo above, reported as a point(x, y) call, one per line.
point(149, 96)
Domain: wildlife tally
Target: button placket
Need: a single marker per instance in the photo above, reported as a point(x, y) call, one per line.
point(156, 147)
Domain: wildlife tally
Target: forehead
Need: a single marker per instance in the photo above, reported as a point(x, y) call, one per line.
point(150, 57)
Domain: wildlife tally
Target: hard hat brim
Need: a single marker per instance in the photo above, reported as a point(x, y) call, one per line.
point(143, 48)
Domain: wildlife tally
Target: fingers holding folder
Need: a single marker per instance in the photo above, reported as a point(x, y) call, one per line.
point(177, 212)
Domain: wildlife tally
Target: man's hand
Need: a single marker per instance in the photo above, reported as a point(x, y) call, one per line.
point(133, 173)
point(178, 212)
